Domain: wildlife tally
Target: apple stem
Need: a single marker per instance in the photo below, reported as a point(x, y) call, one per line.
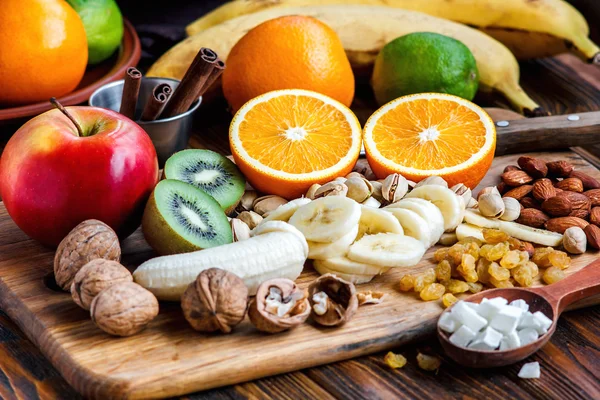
point(62, 109)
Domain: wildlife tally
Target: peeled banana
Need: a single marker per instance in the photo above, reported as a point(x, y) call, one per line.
point(530, 29)
point(364, 30)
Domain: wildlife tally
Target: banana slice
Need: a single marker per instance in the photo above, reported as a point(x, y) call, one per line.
point(373, 220)
point(428, 211)
point(448, 238)
point(339, 248)
point(451, 205)
point(473, 217)
point(387, 250)
point(278, 226)
point(354, 278)
point(464, 231)
point(413, 225)
point(347, 266)
point(285, 211)
point(327, 219)
point(529, 234)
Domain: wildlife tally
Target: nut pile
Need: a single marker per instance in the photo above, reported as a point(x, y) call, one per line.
point(553, 195)
point(470, 266)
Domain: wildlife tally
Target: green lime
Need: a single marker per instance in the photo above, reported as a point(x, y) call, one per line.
point(103, 25)
point(424, 62)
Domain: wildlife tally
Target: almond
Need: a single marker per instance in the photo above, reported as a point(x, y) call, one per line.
point(519, 192)
point(578, 201)
point(502, 188)
point(535, 167)
point(560, 169)
point(532, 217)
point(543, 189)
point(516, 178)
point(570, 185)
point(592, 233)
point(588, 181)
point(595, 216)
point(583, 214)
point(594, 196)
point(511, 168)
point(528, 202)
point(557, 206)
point(561, 224)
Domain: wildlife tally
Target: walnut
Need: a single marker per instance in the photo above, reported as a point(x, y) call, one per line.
point(89, 240)
point(279, 305)
point(94, 277)
point(123, 309)
point(333, 300)
point(216, 300)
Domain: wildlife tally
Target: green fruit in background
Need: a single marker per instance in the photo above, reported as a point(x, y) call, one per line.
point(424, 62)
point(103, 25)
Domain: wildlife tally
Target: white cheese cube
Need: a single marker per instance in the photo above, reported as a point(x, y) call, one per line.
point(507, 319)
point(522, 304)
point(530, 371)
point(490, 307)
point(466, 315)
point(527, 335)
point(473, 306)
point(463, 336)
point(489, 339)
point(447, 323)
point(510, 341)
point(527, 321)
point(542, 321)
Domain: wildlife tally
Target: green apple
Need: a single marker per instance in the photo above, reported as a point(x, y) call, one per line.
point(103, 27)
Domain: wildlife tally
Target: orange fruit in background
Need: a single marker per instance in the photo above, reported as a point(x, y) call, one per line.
point(286, 140)
point(43, 50)
point(291, 52)
point(429, 134)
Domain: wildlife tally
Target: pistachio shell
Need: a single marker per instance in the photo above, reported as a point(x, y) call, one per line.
point(251, 218)
point(266, 204)
point(359, 189)
point(331, 189)
point(310, 194)
point(394, 188)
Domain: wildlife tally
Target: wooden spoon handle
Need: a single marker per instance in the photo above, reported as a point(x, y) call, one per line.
point(548, 133)
point(582, 284)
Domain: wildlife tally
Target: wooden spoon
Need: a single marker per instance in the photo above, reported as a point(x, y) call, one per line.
point(551, 300)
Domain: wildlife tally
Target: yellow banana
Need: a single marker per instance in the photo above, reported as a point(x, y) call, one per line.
point(529, 28)
point(364, 30)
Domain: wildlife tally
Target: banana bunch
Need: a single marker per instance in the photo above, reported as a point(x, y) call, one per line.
point(530, 29)
point(363, 30)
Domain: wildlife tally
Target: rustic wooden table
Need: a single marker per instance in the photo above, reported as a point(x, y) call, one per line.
point(570, 361)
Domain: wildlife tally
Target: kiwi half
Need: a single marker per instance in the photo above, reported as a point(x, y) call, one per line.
point(210, 172)
point(180, 218)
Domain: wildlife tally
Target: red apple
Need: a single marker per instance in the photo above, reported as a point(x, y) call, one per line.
point(54, 175)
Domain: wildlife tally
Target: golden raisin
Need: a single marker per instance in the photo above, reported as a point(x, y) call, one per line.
point(433, 291)
point(472, 249)
point(394, 360)
point(467, 268)
point(440, 254)
point(443, 271)
point(511, 259)
point(482, 270)
point(559, 259)
point(553, 274)
point(540, 256)
point(423, 279)
point(448, 299)
point(494, 252)
point(523, 279)
point(497, 272)
point(475, 287)
point(455, 253)
point(406, 283)
point(456, 286)
point(471, 239)
point(493, 236)
point(428, 363)
point(516, 244)
point(501, 284)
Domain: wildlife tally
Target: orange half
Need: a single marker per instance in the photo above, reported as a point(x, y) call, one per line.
point(431, 134)
point(286, 140)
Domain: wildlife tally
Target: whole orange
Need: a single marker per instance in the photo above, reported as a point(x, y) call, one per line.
point(43, 50)
point(291, 52)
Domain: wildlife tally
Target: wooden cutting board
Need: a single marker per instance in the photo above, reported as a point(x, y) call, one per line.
point(169, 358)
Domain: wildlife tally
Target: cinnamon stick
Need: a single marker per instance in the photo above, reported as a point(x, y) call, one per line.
point(156, 103)
point(215, 74)
point(131, 88)
point(193, 81)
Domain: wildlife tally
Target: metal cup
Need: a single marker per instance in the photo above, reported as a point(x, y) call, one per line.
point(169, 135)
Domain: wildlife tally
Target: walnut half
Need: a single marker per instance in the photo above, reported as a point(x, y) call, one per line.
point(279, 305)
point(332, 300)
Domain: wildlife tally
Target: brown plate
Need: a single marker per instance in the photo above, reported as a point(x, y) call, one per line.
point(95, 76)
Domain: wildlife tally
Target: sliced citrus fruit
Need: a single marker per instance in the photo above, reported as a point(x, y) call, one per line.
point(286, 140)
point(429, 134)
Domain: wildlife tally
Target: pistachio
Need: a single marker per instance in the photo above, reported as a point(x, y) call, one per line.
point(487, 190)
point(512, 209)
point(472, 203)
point(463, 191)
point(491, 205)
point(355, 174)
point(265, 204)
point(377, 186)
point(411, 184)
point(239, 230)
point(251, 218)
point(331, 189)
point(247, 201)
point(433, 180)
point(359, 189)
point(310, 194)
point(362, 167)
point(394, 188)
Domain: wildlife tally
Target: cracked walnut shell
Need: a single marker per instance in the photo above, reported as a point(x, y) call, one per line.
point(123, 309)
point(89, 240)
point(216, 300)
point(94, 277)
point(279, 305)
point(340, 300)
